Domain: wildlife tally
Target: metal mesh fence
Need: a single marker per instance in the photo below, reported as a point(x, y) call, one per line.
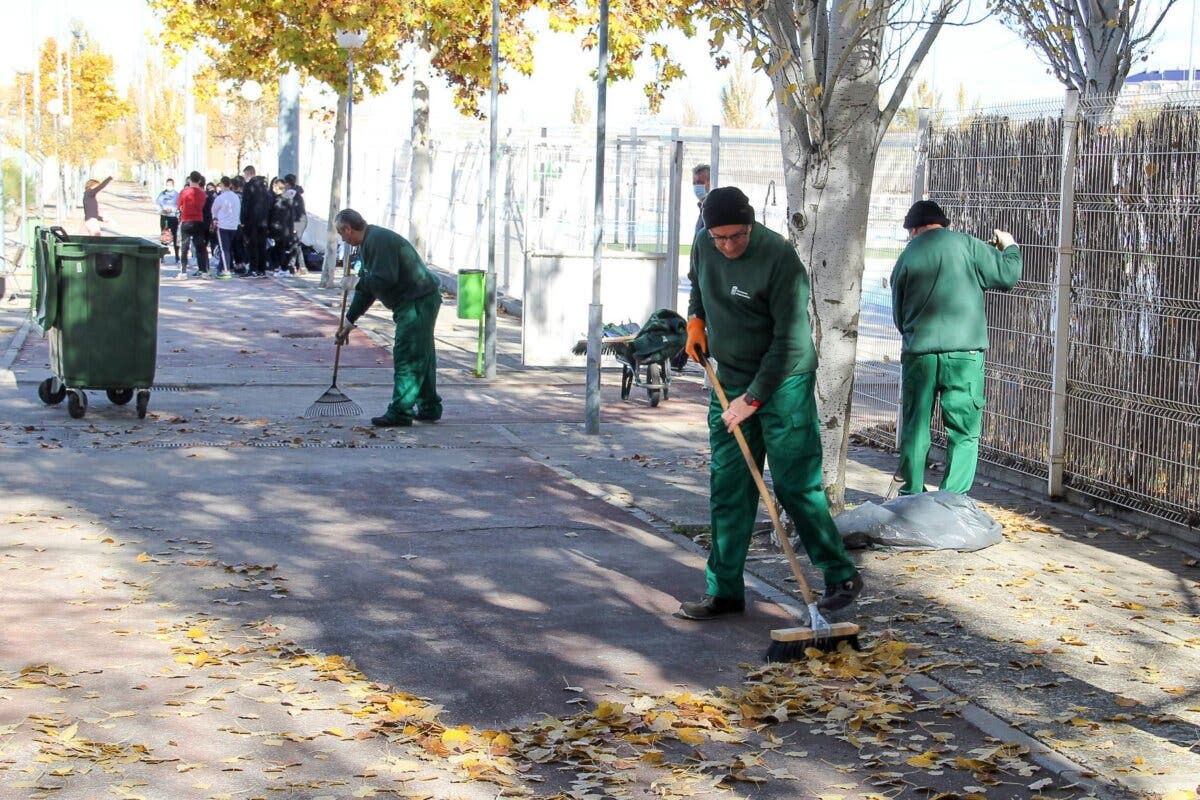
point(1133, 405)
point(1000, 169)
point(1133, 378)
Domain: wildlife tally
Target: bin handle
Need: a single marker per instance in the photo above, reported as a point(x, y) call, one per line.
point(59, 232)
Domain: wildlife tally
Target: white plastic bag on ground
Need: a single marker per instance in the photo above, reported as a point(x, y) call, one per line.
point(928, 521)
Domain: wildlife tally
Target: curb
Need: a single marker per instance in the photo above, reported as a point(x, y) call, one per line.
point(7, 378)
point(992, 725)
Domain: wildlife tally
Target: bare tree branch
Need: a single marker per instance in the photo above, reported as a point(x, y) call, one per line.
point(1089, 45)
point(914, 64)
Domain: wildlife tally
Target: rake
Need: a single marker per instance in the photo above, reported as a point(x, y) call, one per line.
point(335, 403)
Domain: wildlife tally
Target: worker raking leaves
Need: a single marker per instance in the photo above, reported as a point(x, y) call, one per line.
point(394, 274)
point(937, 304)
point(749, 309)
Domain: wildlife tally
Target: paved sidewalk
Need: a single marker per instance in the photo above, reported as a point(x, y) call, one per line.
point(230, 600)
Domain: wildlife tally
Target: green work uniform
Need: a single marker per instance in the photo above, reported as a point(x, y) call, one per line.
point(755, 309)
point(395, 275)
point(937, 304)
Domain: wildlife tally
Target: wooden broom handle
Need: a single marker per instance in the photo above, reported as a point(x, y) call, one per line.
point(763, 491)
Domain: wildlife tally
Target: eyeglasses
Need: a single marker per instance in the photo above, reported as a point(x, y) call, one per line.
point(717, 239)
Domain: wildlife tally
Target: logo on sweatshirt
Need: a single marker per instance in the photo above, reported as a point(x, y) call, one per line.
point(736, 292)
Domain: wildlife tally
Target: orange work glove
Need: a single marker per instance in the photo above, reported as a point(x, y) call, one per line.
point(697, 340)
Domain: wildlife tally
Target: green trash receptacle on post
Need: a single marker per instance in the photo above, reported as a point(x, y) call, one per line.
point(470, 293)
point(97, 302)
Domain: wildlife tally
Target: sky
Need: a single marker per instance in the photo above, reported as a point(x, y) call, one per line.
point(992, 63)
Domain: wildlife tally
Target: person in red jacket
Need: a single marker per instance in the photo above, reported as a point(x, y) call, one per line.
point(191, 225)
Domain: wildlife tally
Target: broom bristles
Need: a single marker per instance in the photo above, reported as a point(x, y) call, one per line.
point(609, 349)
point(781, 652)
point(792, 644)
point(333, 404)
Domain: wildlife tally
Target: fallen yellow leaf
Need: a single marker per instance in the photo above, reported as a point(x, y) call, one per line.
point(925, 761)
point(454, 737)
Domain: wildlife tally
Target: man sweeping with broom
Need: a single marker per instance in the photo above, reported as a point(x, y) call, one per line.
point(395, 275)
point(749, 309)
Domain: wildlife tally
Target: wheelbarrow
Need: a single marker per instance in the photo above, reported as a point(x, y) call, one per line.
point(643, 348)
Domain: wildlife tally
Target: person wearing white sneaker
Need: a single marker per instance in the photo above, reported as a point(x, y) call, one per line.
point(226, 210)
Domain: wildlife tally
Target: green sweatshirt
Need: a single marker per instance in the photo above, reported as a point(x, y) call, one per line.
point(755, 311)
point(392, 272)
point(937, 290)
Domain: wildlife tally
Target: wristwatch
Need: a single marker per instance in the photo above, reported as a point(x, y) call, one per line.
point(754, 402)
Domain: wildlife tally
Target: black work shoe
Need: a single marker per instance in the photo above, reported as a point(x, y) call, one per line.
point(391, 422)
point(840, 594)
point(428, 416)
point(711, 607)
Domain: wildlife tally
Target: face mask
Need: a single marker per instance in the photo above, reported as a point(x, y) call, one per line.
point(699, 190)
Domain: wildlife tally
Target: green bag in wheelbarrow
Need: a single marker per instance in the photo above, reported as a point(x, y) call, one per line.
point(663, 335)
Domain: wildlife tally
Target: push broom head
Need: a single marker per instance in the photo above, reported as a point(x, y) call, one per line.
point(792, 644)
point(333, 404)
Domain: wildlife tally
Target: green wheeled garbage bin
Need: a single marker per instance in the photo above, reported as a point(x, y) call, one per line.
point(97, 302)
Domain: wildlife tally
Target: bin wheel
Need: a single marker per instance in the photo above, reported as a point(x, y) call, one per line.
point(143, 402)
point(77, 403)
point(656, 395)
point(51, 391)
point(665, 378)
point(626, 381)
point(119, 396)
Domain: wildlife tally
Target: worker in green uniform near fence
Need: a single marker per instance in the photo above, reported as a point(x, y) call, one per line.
point(749, 308)
point(395, 275)
point(937, 304)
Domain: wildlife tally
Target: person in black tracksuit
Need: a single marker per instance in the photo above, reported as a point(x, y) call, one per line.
point(295, 193)
point(210, 225)
point(239, 241)
point(256, 210)
point(282, 221)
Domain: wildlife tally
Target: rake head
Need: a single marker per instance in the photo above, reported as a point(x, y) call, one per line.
point(334, 404)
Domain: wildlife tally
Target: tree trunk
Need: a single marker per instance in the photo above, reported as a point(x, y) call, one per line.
point(421, 170)
point(329, 268)
point(829, 198)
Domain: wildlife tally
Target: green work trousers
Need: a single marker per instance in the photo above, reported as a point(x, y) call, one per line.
point(957, 379)
point(415, 358)
point(785, 431)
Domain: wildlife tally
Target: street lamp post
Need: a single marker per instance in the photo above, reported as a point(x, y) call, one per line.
point(350, 41)
point(54, 108)
point(24, 156)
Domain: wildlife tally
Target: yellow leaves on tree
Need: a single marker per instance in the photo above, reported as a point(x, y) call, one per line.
point(257, 39)
point(90, 107)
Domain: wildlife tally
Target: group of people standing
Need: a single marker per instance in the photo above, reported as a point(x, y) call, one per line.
point(248, 226)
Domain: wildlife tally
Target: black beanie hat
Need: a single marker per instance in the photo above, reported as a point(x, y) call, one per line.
point(727, 205)
point(925, 212)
